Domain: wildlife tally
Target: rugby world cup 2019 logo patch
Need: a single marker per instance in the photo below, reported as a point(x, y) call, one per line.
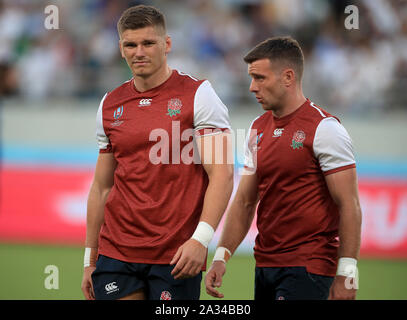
point(174, 107)
point(298, 139)
point(258, 140)
point(117, 114)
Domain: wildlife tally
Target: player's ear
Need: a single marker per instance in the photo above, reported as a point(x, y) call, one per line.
point(289, 77)
point(168, 44)
point(121, 48)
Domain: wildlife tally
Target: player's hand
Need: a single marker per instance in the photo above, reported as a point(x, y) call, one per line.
point(343, 288)
point(87, 285)
point(213, 278)
point(188, 259)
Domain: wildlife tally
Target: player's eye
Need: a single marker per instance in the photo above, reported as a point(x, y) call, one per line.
point(148, 43)
point(257, 77)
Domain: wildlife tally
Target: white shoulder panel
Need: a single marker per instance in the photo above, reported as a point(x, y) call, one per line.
point(249, 157)
point(102, 139)
point(209, 110)
point(332, 145)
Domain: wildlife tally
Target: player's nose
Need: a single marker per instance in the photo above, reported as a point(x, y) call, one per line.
point(139, 52)
point(253, 86)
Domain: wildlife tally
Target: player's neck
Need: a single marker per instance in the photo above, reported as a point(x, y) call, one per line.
point(143, 84)
point(290, 104)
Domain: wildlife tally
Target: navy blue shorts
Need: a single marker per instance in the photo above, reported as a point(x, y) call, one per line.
point(290, 283)
point(114, 279)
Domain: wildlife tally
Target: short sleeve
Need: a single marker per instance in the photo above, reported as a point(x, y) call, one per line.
point(209, 111)
point(102, 139)
point(333, 146)
point(250, 149)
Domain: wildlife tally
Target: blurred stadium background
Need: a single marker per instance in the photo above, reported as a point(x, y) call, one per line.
point(51, 82)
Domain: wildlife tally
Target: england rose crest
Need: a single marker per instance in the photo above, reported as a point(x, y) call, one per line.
point(165, 295)
point(298, 139)
point(174, 107)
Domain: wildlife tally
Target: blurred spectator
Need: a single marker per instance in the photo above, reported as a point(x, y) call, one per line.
point(351, 70)
point(8, 80)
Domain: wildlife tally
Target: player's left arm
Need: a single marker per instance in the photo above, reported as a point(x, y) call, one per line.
point(333, 148)
point(212, 130)
point(343, 188)
point(215, 156)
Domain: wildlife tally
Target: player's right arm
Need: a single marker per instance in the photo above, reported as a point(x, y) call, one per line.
point(99, 191)
point(237, 224)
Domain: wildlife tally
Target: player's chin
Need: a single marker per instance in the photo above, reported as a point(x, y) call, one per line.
point(142, 72)
point(266, 106)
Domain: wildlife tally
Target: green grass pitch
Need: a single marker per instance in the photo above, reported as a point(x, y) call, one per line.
point(22, 275)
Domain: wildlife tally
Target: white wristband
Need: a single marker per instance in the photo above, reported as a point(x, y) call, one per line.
point(203, 233)
point(89, 258)
point(222, 254)
point(347, 267)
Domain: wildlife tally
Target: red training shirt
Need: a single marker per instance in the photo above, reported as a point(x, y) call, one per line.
point(297, 218)
point(156, 201)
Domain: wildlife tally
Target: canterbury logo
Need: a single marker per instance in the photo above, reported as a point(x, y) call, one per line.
point(145, 102)
point(278, 132)
point(111, 287)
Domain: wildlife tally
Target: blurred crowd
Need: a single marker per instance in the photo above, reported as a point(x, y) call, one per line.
point(354, 70)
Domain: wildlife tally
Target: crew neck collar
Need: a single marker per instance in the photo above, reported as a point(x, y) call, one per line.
point(291, 115)
point(154, 90)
